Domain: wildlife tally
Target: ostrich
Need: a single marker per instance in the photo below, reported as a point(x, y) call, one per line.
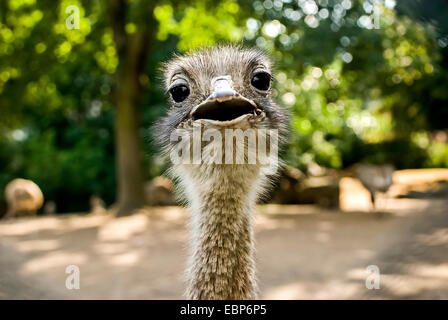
point(375, 178)
point(222, 87)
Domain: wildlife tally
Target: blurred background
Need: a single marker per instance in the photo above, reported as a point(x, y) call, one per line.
point(365, 181)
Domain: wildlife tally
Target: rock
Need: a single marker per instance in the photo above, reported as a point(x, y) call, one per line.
point(296, 188)
point(97, 205)
point(323, 191)
point(23, 198)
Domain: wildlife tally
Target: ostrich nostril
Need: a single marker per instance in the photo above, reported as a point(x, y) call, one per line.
point(222, 88)
point(224, 93)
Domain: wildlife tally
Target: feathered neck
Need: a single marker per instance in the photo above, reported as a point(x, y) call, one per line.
point(221, 198)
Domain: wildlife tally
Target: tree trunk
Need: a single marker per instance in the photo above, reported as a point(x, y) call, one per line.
point(132, 52)
point(128, 149)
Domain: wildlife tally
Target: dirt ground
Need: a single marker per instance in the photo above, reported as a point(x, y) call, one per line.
point(303, 252)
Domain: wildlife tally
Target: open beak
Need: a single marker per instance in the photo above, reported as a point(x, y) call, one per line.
point(224, 104)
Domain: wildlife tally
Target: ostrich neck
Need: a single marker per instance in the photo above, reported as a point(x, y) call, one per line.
point(221, 264)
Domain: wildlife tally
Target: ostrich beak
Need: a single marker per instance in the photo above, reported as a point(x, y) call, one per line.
point(224, 103)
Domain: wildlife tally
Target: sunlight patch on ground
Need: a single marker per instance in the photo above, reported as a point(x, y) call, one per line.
point(287, 292)
point(111, 248)
point(24, 226)
point(405, 286)
point(357, 274)
point(125, 259)
point(438, 238)
point(123, 228)
point(268, 223)
point(418, 176)
point(87, 221)
point(37, 245)
point(431, 271)
point(52, 260)
point(333, 289)
point(173, 213)
point(353, 196)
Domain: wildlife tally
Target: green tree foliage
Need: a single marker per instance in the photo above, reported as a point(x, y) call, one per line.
point(57, 119)
point(364, 81)
point(353, 73)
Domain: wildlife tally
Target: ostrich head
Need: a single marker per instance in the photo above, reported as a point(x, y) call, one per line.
point(220, 87)
point(225, 88)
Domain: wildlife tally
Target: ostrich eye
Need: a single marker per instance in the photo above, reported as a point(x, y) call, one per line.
point(261, 81)
point(179, 93)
